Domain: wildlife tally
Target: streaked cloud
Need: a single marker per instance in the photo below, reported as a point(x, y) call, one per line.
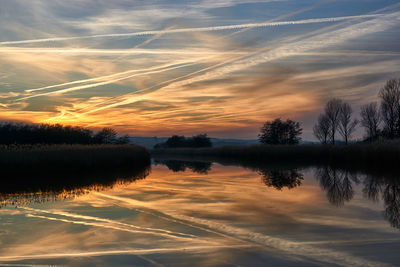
point(150, 70)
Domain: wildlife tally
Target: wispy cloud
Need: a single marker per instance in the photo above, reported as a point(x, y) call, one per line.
point(191, 30)
point(83, 67)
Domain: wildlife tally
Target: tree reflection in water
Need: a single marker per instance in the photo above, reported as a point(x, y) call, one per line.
point(388, 188)
point(338, 184)
point(280, 178)
point(339, 187)
point(202, 167)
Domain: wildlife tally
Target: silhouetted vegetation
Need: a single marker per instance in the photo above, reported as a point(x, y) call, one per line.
point(390, 108)
point(322, 129)
point(57, 168)
point(21, 133)
point(383, 155)
point(370, 120)
point(278, 132)
point(181, 166)
point(337, 117)
point(73, 156)
point(175, 141)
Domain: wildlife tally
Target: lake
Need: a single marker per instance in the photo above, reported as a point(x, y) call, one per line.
point(207, 214)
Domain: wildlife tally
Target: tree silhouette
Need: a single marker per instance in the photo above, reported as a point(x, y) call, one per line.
point(390, 108)
point(22, 133)
point(370, 119)
point(322, 129)
point(175, 141)
point(280, 132)
point(106, 136)
point(332, 112)
point(346, 125)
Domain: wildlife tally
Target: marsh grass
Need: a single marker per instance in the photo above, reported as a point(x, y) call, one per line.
point(58, 168)
point(72, 156)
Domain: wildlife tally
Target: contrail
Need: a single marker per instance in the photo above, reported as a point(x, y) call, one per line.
point(111, 51)
point(167, 83)
point(86, 86)
point(101, 78)
point(306, 45)
point(200, 29)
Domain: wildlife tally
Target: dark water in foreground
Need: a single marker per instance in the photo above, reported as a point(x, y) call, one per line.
point(204, 214)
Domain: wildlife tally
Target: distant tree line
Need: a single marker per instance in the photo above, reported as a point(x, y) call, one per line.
point(379, 120)
point(22, 133)
point(176, 141)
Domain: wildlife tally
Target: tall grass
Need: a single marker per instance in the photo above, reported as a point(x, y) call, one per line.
point(29, 169)
point(72, 156)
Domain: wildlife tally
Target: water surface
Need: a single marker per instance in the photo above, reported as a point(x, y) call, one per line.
point(207, 214)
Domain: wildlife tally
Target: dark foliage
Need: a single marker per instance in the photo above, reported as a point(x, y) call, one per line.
point(105, 136)
point(278, 132)
point(21, 133)
point(175, 141)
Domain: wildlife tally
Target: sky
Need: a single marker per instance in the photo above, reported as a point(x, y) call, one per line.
point(157, 68)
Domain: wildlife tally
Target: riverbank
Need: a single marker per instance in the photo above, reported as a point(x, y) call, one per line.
point(378, 155)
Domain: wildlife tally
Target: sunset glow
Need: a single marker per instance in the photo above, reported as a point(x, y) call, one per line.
point(171, 67)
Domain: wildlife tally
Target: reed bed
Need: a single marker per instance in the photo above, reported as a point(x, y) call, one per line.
point(42, 168)
point(72, 156)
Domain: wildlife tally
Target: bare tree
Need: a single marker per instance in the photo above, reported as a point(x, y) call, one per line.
point(332, 112)
point(370, 119)
point(390, 107)
point(346, 126)
point(322, 128)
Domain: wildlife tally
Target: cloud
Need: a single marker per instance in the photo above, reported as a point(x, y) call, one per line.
point(191, 30)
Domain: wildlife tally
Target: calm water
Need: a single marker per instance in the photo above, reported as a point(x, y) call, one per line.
point(210, 215)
